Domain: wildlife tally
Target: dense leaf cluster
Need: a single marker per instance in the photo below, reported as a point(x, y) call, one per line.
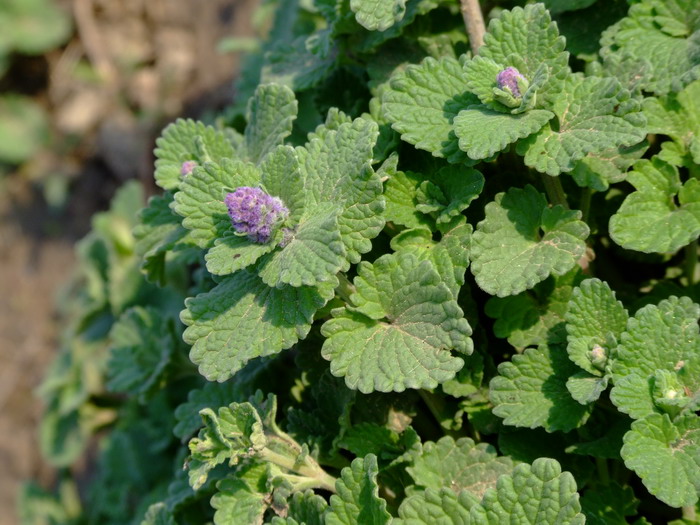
point(458, 312)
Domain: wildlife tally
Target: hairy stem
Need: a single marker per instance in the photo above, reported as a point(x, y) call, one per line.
point(585, 205)
point(555, 191)
point(691, 262)
point(309, 469)
point(345, 288)
point(474, 22)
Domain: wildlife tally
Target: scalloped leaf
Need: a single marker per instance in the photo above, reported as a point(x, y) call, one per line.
point(422, 102)
point(522, 241)
point(242, 318)
point(595, 318)
point(530, 391)
point(433, 506)
point(304, 508)
point(664, 33)
point(540, 493)
point(458, 465)
point(649, 220)
point(483, 132)
point(666, 455)
point(592, 115)
point(678, 116)
point(357, 496)
point(271, 114)
point(378, 15)
point(188, 140)
point(401, 331)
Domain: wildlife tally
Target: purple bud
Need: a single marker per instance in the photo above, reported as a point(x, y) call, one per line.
point(508, 79)
point(255, 213)
point(187, 167)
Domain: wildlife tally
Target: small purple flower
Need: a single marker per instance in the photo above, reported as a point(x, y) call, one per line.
point(507, 80)
point(187, 167)
point(255, 213)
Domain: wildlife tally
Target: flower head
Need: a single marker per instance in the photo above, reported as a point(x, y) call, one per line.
point(187, 167)
point(508, 79)
point(255, 213)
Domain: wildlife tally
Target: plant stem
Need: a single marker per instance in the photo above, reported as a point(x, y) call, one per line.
point(345, 288)
point(585, 205)
point(691, 262)
point(689, 513)
point(602, 465)
point(309, 469)
point(555, 191)
point(474, 22)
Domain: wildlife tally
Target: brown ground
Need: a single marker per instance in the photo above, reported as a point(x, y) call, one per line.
point(151, 60)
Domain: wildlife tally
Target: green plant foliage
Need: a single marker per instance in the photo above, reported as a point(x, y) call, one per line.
point(477, 305)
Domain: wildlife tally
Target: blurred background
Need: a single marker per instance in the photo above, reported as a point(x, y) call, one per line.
point(85, 88)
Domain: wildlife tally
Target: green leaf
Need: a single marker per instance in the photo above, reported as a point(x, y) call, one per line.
point(357, 496)
point(530, 391)
point(378, 15)
point(305, 508)
point(242, 318)
point(294, 65)
point(595, 321)
point(433, 506)
point(24, 128)
point(188, 140)
point(201, 198)
point(586, 388)
point(243, 499)
point(402, 330)
point(336, 170)
point(678, 116)
point(33, 27)
point(233, 252)
point(229, 435)
point(609, 505)
point(593, 114)
point(535, 316)
point(666, 455)
point(158, 514)
point(458, 465)
point(522, 241)
point(600, 169)
point(559, 6)
point(483, 132)
point(538, 494)
point(400, 192)
point(271, 113)
point(649, 219)
point(423, 101)
point(314, 254)
point(664, 33)
point(455, 187)
point(143, 344)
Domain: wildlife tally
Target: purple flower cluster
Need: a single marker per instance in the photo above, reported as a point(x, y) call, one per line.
point(508, 80)
point(255, 213)
point(187, 167)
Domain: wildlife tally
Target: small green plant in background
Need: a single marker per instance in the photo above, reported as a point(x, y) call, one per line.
point(408, 278)
point(27, 27)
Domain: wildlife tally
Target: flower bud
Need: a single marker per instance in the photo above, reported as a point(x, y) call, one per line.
point(510, 79)
point(187, 167)
point(255, 213)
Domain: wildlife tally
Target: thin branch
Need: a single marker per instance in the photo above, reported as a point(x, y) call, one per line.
point(474, 22)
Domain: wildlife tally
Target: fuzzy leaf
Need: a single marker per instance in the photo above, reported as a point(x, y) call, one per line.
point(378, 15)
point(242, 499)
point(649, 219)
point(664, 32)
point(609, 505)
point(436, 506)
point(586, 388)
point(402, 330)
point(271, 113)
point(400, 193)
point(666, 455)
point(305, 508)
point(483, 132)
point(143, 344)
point(522, 241)
point(530, 391)
point(232, 252)
point(677, 116)
point(423, 101)
point(592, 114)
point(188, 140)
point(294, 65)
point(357, 499)
point(336, 170)
point(535, 494)
point(458, 465)
point(595, 321)
point(242, 318)
point(201, 198)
